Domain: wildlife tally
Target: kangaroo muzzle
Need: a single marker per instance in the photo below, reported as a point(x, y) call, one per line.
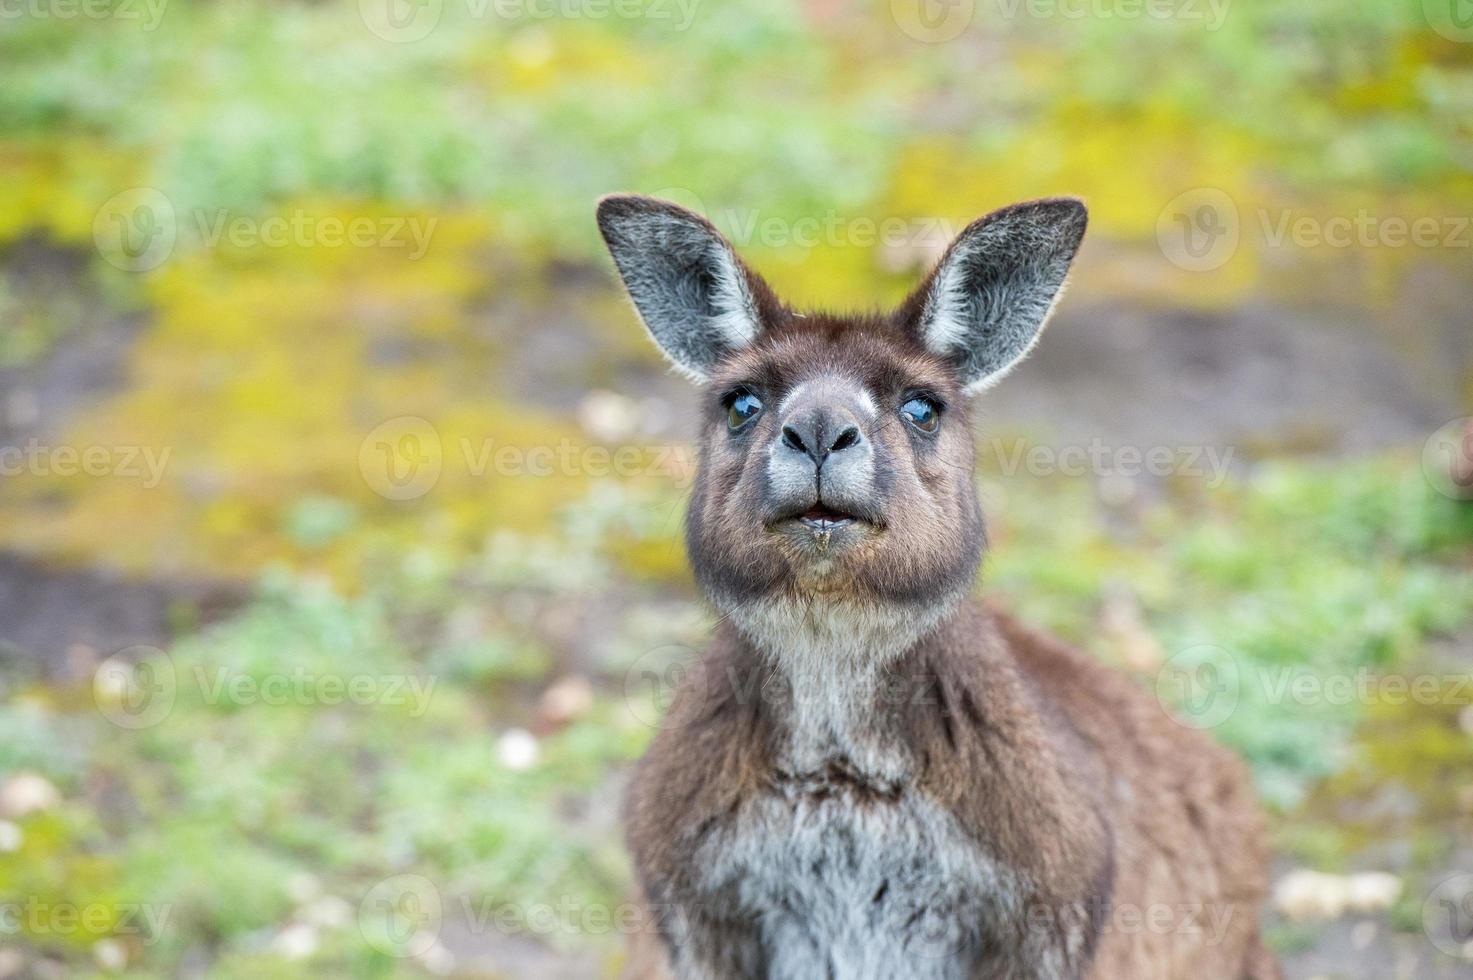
point(821, 461)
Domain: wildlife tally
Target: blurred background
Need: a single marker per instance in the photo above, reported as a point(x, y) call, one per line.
point(340, 492)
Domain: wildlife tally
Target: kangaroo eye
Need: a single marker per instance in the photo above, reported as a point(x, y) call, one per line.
point(743, 409)
point(921, 413)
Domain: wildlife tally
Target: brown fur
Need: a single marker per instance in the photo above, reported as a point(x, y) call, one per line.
point(1067, 768)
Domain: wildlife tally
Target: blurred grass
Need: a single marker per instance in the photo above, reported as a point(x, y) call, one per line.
point(798, 109)
point(1321, 569)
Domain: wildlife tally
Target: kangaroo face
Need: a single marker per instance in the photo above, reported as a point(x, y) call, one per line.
point(835, 458)
point(836, 454)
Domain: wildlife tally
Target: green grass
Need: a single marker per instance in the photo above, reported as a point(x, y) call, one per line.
point(753, 106)
point(1325, 570)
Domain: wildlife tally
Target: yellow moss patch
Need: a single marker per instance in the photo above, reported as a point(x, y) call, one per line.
point(273, 375)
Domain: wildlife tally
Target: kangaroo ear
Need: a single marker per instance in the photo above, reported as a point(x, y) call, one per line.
point(986, 302)
point(694, 295)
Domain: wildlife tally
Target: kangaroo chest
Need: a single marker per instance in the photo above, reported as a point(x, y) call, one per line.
point(847, 867)
point(853, 880)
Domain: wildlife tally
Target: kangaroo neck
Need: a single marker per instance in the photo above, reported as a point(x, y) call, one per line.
point(841, 676)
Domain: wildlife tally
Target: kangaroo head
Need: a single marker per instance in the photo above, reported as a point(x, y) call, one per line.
point(836, 456)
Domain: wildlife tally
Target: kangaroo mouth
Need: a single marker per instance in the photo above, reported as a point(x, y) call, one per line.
point(821, 518)
point(825, 530)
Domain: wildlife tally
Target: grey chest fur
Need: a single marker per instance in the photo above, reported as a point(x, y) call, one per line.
point(849, 882)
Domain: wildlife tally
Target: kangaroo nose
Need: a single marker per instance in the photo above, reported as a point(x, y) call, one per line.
point(820, 434)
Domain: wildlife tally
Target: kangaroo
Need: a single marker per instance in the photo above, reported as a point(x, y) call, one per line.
point(868, 775)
